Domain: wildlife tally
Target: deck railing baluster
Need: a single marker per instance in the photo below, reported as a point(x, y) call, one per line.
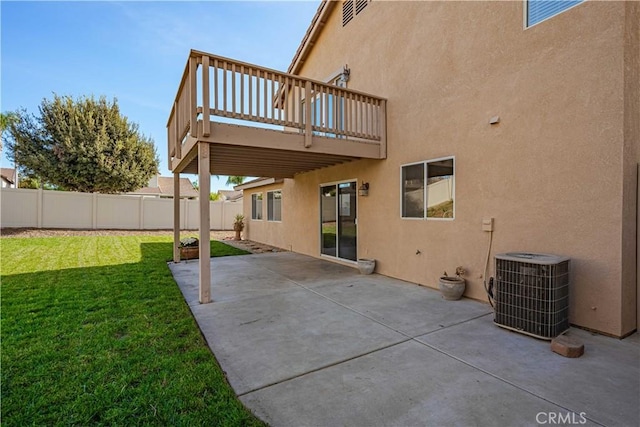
point(274, 98)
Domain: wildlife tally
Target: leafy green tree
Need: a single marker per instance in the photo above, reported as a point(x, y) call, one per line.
point(5, 120)
point(214, 197)
point(235, 180)
point(29, 182)
point(82, 145)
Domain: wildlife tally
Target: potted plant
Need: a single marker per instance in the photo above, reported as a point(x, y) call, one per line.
point(189, 248)
point(452, 288)
point(238, 225)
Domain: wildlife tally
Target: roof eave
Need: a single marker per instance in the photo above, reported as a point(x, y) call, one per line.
point(312, 34)
point(259, 182)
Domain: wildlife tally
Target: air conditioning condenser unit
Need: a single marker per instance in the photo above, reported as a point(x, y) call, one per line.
point(532, 293)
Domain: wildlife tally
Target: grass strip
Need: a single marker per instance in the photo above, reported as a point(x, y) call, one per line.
point(95, 331)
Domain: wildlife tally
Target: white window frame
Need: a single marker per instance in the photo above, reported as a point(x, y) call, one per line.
point(425, 196)
point(268, 210)
point(337, 81)
point(254, 212)
point(525, 14)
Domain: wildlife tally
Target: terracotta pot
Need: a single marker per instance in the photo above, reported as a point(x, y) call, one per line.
point(452, 288)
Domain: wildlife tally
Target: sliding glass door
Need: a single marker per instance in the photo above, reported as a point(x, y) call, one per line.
point(338, 220)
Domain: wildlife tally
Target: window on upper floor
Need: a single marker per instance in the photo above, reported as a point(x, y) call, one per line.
point(539, 10)
point(256, 206)
point(274, 205)
point(435, 200)
point(328, 110)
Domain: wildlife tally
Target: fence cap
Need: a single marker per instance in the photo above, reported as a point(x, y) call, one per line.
point(533, 258)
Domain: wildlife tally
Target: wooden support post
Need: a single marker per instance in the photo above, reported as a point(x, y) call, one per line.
point(204, 180)
point(176, 217)
point(307, 114)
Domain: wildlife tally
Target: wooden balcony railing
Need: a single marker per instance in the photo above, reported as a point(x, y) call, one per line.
point(213, 86)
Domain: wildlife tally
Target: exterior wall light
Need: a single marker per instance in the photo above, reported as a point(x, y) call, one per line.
point(364, 189)
point(346, 72)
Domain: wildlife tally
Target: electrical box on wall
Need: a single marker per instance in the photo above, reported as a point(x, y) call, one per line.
point(487, 224)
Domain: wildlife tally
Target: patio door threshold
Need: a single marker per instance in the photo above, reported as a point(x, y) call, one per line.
point(337, 260)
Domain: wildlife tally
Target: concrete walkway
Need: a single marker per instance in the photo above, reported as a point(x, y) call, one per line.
point(307, 342)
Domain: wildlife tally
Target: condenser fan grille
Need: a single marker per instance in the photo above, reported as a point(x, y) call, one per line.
point(532, 293)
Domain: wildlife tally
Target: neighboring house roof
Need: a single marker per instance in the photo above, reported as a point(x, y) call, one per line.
point(8, 174)
point(312, 34)
point(258, 182)
point(165, 188)
point(230, 195)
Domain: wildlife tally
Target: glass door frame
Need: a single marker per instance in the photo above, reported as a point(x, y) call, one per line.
point(337, 207)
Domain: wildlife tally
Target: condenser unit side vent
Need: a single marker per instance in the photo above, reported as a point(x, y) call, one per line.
point(532, 293)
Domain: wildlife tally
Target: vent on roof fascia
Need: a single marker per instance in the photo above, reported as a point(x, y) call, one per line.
point(360, 4)
point(347, 12)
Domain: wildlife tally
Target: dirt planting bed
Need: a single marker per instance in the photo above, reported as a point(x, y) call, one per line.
point(57, 232)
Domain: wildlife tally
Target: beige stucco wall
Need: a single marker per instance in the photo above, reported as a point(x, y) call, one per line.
point(552, 173)
point(631, 158)
point(262, 230)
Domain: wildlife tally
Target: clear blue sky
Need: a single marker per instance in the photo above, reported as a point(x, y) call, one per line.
point(136, 51)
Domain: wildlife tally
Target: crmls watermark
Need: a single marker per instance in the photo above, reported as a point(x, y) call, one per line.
point(565, 418)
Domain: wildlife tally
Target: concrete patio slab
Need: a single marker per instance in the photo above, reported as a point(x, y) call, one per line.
point(412, 310)
point(307, 271)
point(309, 342)
point(263, 340)
point(405, 385)
point(604, 383)
point(235, 278)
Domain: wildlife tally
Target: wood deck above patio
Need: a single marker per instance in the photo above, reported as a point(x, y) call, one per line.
point(256, 122)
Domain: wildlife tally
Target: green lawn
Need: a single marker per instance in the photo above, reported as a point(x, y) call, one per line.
point(96, 332)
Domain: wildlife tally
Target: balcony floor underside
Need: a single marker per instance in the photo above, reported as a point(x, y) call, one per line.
point(249, 151)
point(251, 161)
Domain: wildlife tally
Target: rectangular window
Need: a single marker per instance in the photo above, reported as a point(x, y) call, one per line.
point(428, 189)
point(539, 10)
point(256, 206)
point(327, 111)
point(274, 205)
point(413, 191)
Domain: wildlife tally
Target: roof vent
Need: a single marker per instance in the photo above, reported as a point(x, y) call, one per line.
point(347, 12)
point(350, 8)
point(360, 4)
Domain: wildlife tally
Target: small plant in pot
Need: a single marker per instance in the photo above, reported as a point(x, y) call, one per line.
point(189, 248)
point(452, 288)
point(238, 225)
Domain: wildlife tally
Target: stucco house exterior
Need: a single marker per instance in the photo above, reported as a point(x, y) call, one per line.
point(450, 115)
